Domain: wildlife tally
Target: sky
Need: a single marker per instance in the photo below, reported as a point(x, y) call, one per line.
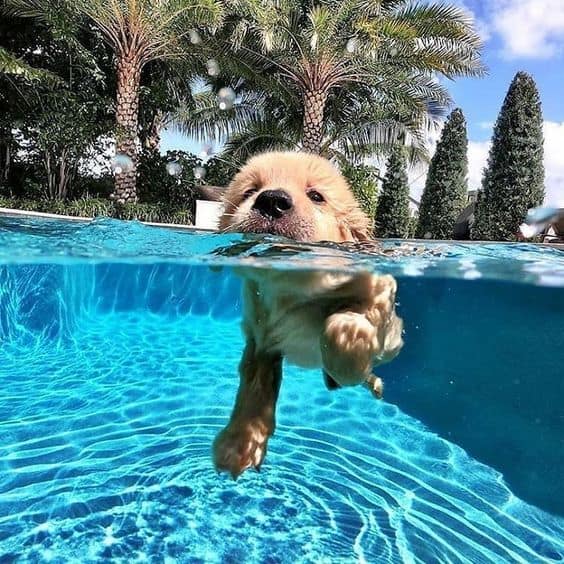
point(519, 35)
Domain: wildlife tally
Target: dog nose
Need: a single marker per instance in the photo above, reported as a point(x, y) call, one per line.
point(273, 203)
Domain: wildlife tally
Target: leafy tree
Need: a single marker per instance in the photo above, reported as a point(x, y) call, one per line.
point(392, 214)
point(445, 193)
point(513, 180)
point(139, 32)
point(350, 77)
point(52, 120)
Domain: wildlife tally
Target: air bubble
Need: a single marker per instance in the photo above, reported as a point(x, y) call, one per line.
point(199, 172)
point(213, 67)
point(394, 51)
point(174, 168)
point(472, 274)
point(226, 98)
point(121, 163)
point(428, 235)
point(195, 38)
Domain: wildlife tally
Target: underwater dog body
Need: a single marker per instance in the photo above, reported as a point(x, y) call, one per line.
point(344, 323)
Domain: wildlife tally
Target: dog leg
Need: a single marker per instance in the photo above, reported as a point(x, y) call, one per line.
point(357, 338)
point(242, 443)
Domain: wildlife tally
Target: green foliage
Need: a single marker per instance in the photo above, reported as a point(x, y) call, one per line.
point(363, 180)
point(412, 227)
point(51, 126)
point(392, 214)
point(220, 171)
point(445, 193)
point(168, 178)
point(513, 180)
point(374, 60)
point(93, 207)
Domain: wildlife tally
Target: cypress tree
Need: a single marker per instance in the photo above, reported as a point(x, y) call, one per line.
point(392, 213)
point(445, 193)
point(513, 180)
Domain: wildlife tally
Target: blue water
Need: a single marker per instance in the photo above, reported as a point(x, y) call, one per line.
point(118, 365)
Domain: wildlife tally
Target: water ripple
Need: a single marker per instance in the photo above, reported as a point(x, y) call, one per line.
point(40, 241)
point(105, 454)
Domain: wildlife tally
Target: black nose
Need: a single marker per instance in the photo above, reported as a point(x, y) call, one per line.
point(273, 203)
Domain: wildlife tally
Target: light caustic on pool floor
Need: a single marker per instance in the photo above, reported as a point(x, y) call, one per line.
point(105, 453)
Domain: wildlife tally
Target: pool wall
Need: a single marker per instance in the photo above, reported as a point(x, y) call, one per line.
point(458, 334)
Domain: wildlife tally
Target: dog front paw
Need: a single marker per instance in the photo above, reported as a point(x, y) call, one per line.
point(240, 445)
point(347, 347)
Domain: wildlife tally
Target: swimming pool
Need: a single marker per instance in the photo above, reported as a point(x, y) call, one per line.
point(119, 353)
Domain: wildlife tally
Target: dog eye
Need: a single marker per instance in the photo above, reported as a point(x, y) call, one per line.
point(315, 196)
point(248, 193)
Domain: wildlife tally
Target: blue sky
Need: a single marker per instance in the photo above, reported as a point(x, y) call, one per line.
point(519, 35)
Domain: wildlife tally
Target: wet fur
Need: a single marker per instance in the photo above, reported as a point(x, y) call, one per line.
point(342, 323)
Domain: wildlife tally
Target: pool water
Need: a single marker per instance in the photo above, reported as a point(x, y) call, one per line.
point(118, 365)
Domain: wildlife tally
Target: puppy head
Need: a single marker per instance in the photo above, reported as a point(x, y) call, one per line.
point(296, 195)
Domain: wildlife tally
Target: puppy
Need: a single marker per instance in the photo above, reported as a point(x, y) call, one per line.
point(343, 323)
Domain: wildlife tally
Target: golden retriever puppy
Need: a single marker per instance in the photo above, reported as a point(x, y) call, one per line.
point(343, 323)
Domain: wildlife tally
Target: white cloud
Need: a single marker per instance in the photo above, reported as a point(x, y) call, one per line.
point(528, 28)
point(478, 156)
point(482, 27)
point(554, 162)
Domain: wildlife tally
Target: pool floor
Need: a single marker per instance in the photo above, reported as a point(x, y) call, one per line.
point(105, 454)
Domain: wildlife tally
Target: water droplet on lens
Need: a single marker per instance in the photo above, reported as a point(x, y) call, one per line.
point(213, 67)
point(226, 98)
point(174, 168)
point(352, 45)
point(207, 150)
point(195, 38)
point(121, 163)
point(529, 231)
point(199, 172)
point(541, 215)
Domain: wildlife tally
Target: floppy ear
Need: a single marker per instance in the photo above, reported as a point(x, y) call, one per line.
point(211, 193)
point(357, 226)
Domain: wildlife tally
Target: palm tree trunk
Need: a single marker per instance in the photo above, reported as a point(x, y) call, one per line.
point(314, 107)
point(127, 112)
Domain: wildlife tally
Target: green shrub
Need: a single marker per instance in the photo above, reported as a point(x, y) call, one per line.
point(90, 207)
point(363, 180)
point(93, 207)
point(219, 171)
point(392, 213)
point(156, 184)
point(412, 227)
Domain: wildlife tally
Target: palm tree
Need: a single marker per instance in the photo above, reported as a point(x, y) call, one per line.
point(139, 32)
point(350, 76)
